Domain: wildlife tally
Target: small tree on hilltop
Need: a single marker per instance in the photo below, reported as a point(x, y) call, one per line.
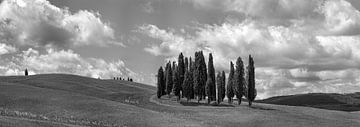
point(229, 88)
point(239, 80)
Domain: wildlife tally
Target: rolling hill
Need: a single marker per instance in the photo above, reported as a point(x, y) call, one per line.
point(61, 100)
point(331, 101)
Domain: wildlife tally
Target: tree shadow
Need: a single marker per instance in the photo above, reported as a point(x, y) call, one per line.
point(260, 107)
point(190, 103)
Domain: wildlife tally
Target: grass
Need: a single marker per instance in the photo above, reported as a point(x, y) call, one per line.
point(69, 100)
point(331, 101)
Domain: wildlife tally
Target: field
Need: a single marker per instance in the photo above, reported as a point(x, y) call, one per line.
point(67, 100)
point(331, 101)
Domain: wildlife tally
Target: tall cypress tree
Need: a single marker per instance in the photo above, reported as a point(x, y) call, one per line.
point(169, 80)
point(239, 80)
point(181, 70)
point(223, 82)
point(187, 85)
point(229, 88)
point(219, 87)
point(191, 69)
point(210, 83)
point(160, 83)
point(203, 74)
point(197, 77)
point(251, 81)
point(176, 81)
point(186, 64)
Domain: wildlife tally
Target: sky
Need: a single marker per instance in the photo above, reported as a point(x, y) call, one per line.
point(299, 46)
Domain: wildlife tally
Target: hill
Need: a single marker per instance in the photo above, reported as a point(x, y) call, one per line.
point(60, 100)
point(331, 101)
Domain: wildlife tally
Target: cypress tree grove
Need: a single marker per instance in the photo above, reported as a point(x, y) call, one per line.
point(169, 80)
point(251, 81)
point(160, 83)
point(223, 82)
point(210, 83)
point(229, 88)
point(219, 87)
point(239, 79)
point(186, 65)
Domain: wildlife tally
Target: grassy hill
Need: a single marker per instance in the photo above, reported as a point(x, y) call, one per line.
point(332, 101)
point(68, 100)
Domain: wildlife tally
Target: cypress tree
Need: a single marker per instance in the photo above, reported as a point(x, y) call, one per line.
point(203, 74)
point(223, 84)
point(160, 83)
point(196, 75)
point(239, 80)
point(26, 72)
point(191, 69)
point(176, 81)
point(169, 80)
point(187, 87)
point(229, 88)
point(200, 76)
point(219, 87)
point(251, 81)
point(210, 83)
point(181, 68)
point(186, 64)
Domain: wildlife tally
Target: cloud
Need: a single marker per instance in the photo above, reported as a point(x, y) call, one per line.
point(63, 61)
point(39, 23)
point(296, 58)
point(341, 18)
point(6, 49)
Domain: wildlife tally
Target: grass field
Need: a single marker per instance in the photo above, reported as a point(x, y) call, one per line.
point(331, 101)
point(68, 100)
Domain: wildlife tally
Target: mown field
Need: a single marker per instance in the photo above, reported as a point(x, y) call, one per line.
point(68, 100)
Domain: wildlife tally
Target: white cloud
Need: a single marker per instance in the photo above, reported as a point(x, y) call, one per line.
point(64, 61)
point(341, 18)
point(5, 49)
point(39, 23)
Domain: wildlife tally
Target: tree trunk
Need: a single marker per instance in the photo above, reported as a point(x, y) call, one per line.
point(250, 103)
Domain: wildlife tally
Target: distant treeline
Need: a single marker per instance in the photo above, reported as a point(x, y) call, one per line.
point(119, 78)
point(191, 79)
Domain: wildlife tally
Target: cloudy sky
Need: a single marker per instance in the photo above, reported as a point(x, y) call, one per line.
point(299, 46)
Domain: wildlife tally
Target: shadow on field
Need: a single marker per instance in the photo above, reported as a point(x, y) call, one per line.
point(260, 107)
point(184, 103)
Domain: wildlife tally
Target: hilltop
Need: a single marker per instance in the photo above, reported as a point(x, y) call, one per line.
point(69, 100)
point(331, 101)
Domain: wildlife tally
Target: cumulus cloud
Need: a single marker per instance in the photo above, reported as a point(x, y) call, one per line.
point(39, 23)
point(317, 52)
point(6, 49)
point(41, 37)
point(63, 61)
